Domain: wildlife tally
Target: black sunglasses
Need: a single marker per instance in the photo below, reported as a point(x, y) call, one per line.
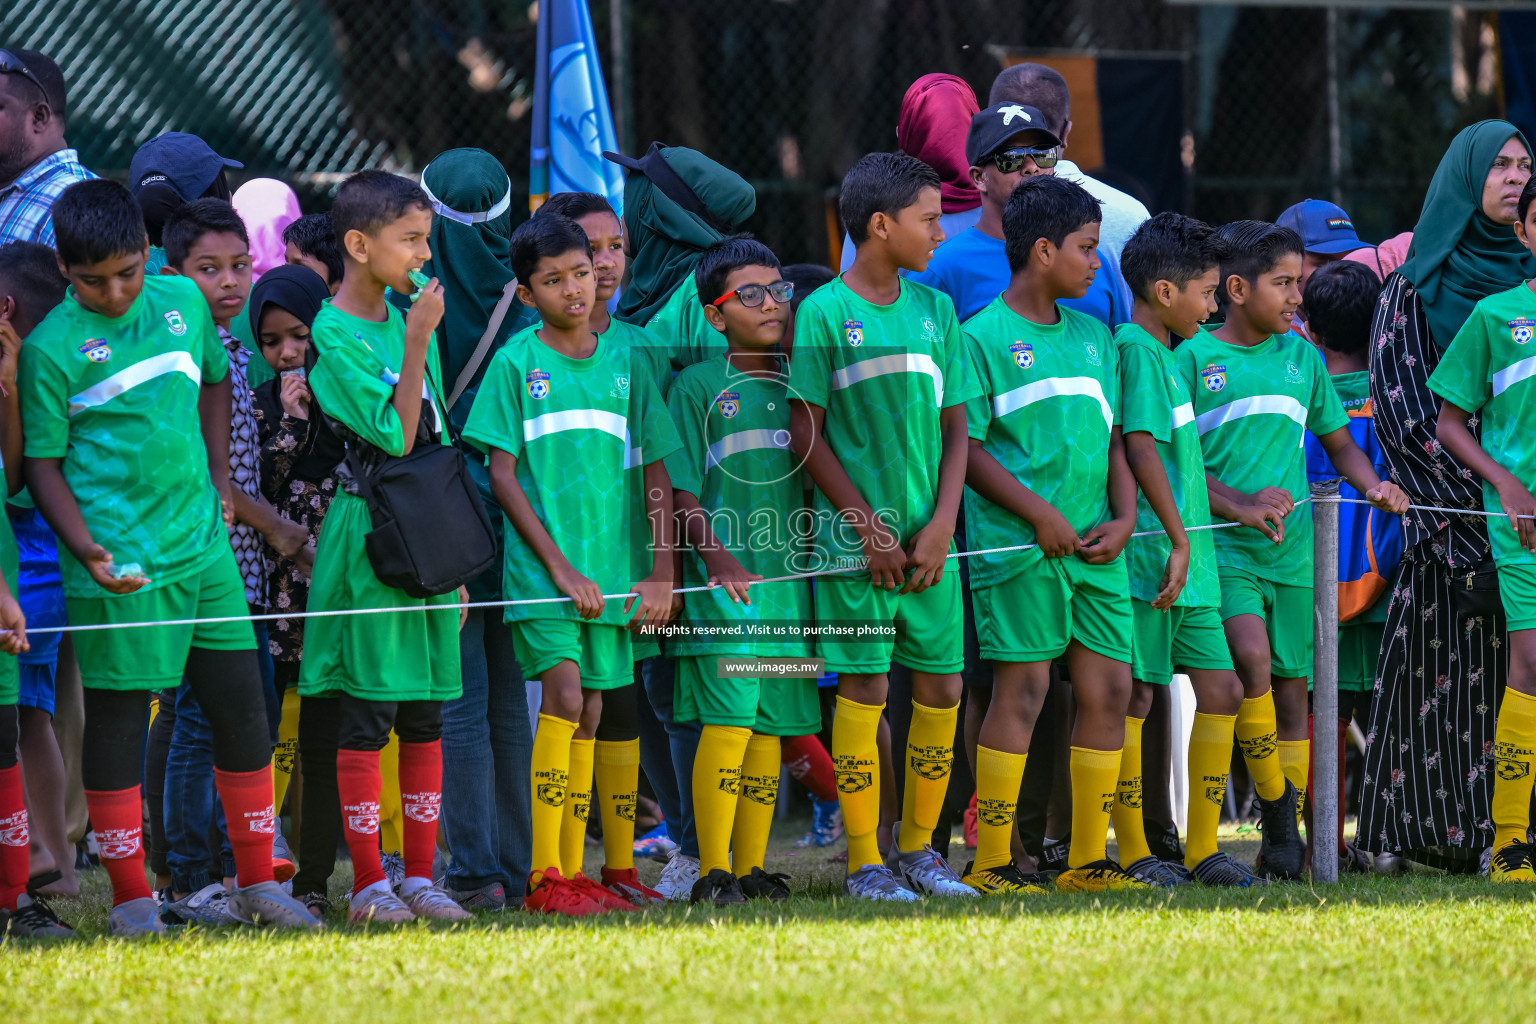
point(753, 294)
point(1010, 161)
point(10, 64)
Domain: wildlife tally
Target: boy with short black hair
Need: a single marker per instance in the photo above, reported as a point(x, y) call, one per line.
point(563, 415)
point(127, 458)
point(310, 242)
point(737, 489)
point(1172, 263)
point(879, 386)
point(1257, 390)
point(372, 377)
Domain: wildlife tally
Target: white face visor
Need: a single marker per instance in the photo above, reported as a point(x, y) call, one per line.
point(442, 209)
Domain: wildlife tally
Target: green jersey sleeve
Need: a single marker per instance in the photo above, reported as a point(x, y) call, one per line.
point(496, 418)
point(1112, 389)
point(359, 400)
point(959, 384)
point(44, 405)
point(213, 362)
point(810, 369)
point(686, 465)
point(1325, 413)
point(1462, 376)
point(978, 409)
point(658, 437)
point(1143, 404)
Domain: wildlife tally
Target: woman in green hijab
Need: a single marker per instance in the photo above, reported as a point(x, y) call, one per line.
point(487, 742)
point(1441, 668)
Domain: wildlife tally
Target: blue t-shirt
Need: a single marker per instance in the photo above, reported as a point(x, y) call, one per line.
point(972, 269)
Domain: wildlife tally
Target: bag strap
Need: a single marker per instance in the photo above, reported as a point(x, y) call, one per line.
point(483, 346)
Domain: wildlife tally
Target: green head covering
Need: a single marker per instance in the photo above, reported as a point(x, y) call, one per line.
point(1459, 255)
point(471, 248)
point(672, 212)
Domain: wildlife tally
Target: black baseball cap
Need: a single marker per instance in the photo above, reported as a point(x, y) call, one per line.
point(184, 162)
point(995, 125)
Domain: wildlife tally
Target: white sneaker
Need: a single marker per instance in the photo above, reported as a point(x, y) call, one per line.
point(209, 905)
point(677, 878)
point(378, 904)
point(427, 900)
point(135, 918)
point(875, 882)
point(266, 903)
point(924, 870)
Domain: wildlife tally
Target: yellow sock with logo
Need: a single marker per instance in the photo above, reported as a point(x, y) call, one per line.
point(1295, 758)
point(856, 762)
point(1094, 777)
point(1514, 741)
point(1261, 749)
point(391, 806)
point(1210, 762)
point(616, 782)
point(930, 755)
point(578, 804)
point(754, 810)
point(551, 766)
point(998, 777)
point(716, 783)
point(287, 747)
point(1130, 831)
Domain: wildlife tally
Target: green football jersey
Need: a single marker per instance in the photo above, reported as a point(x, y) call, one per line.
point(116, 399)
point(1253, 408)
point(685, 335)
point(357, 366)
point(1152, 399)
point(883, 374)
point(1048, 398)
point(1488, 369)
point(577, 427)
point(735, 458)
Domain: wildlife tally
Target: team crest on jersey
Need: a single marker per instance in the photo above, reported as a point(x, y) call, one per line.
point(729, 404)
point(1522, 329)
point(96, 350)
point(1023, 354)
point(621, 384)
point(1292, 372)
point(853, 332)
point(174, 321)
point(538, 384)
point(1093, 352)
point(930, 329)
point(1214, 377)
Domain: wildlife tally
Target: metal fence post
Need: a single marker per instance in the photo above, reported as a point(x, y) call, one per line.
point(1326, 811)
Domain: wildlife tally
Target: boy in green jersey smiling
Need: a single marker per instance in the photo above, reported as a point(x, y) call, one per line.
point(878, 387)
point(1257, 389)
point(1487, 371)
point(1171, 265)
point(737, 489)
point(1047, 374)
point(126, 404)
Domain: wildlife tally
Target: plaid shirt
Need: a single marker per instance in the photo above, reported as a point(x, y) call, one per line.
point(245, 472)
point(26, 204)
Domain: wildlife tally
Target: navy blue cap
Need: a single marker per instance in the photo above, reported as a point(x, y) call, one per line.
point(185, 162)
point(1324, 228)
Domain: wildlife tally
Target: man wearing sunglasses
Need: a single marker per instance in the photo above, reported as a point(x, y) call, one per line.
point(36, 164)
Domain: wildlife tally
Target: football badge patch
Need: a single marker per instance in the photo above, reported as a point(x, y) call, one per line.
point(729, 404)
point(96, 350)
point(538, 384)
point(1522, 329)
point(1023, 354)
point(1214, 377)
point(174, 321)
point(853, 332)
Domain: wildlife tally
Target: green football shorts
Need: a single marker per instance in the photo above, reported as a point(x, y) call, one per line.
point(1036, 614)
point(1287, 614)
point(1177, 638)
point(769, 705)
point(602, 652)
point(929, 626)
point(1517, 589)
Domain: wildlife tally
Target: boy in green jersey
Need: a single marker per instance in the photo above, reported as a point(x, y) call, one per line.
point(878, 385)
point(1171, 265)
point(737, 490)
point(1257, 389)
point(125, 399)
point(392, 670)
point(1487, 371)
point(564, 417)
point(1048, 374)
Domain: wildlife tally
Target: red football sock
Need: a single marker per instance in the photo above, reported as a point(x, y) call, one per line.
point(13, 838)
point(810, 765)
point(247, 798)
point(117, 815)
point(421, 791)
point(359, 782)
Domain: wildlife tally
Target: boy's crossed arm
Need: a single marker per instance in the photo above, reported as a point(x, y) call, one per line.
point(1356, 467)
point(1453, 433)
point(1264, 511)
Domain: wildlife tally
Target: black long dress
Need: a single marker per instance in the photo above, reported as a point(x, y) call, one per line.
point(1439, 677)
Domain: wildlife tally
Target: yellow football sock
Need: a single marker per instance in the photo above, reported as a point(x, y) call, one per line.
point(716, 783)
point(1210, 761)
point(1514, 741)
point(1256, 736)
point(551, 768)
point(287, 747)
point(616, 780)
point(391, 807)
point(930, 753)
point(1295, 758)
point(1130, 832)
point(856, 762)
point(754, 811)
point(1094, 775)
point(998, 777)
point(578, 805)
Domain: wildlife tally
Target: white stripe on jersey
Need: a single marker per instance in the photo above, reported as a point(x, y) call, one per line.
point(585, 419)
point(744, 441)
point(910, 362)
point(130, 377)
point(1257, 405)
point(1513, 374)
point(1183, 414)
point(1053, 387)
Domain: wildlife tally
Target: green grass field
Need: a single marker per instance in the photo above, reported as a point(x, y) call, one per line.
point(1423, 946)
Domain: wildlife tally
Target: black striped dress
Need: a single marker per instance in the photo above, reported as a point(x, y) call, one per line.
point(1429, 742)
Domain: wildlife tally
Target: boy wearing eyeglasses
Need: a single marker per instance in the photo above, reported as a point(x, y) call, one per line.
point(1009, 143)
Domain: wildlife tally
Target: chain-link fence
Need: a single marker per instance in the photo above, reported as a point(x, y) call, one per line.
point(787, 92)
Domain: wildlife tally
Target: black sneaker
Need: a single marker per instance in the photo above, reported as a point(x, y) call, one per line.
point(1219, 869)
point(1163, 841)
point(1053, 853)
point(718, 887)
point(317, 903)
point(1283, 852)
point(34, 919)
point(763, 885)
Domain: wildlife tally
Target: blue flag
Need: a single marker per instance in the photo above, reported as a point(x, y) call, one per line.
point(572, 123)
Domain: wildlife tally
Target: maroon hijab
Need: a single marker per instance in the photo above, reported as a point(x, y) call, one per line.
point(936, 113)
